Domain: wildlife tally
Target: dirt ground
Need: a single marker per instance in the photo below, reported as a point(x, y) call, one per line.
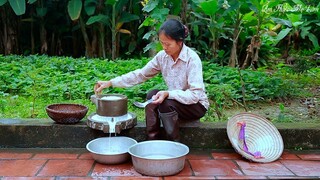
point(287, 110)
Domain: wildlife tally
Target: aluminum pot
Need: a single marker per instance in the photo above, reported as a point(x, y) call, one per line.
point(110, 150)
point(158, 157)
point(110, 104)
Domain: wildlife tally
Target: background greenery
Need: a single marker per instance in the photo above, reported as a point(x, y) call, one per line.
point(29, 83)
point(226, 32)
point(53, 51)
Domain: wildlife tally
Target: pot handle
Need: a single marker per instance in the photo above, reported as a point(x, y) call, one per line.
point(93, 99)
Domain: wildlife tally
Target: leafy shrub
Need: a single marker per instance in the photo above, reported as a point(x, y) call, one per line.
point(258, 85)
point(65, 77)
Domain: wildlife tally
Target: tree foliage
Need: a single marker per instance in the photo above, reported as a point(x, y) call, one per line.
point(240, 33)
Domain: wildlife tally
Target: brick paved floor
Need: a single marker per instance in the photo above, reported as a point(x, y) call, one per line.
point(77, 164)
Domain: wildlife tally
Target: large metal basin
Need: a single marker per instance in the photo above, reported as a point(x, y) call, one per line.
point(110, 150)
point(158, 157)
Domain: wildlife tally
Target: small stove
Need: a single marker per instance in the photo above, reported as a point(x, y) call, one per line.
point(111, 115)
point(112, 124)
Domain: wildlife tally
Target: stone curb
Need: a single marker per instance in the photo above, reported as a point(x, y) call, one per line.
point(44, 133)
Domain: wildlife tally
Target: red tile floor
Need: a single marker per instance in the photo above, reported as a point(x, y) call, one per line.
point(77, 164)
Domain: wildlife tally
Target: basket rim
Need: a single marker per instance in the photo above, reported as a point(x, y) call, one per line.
point(85, 108)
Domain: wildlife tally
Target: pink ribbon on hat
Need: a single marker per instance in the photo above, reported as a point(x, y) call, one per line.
point(242, 137)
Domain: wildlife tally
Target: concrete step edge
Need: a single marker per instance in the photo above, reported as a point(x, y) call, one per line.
point(44, 133)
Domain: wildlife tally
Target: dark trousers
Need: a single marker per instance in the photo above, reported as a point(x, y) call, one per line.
point(185, 112)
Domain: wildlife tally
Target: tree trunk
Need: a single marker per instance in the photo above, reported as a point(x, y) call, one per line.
point(213, 45)
point(10, 30)
point(248, 56)
point(184, 8)
point(86, 39)
point(31, 31)
point(114, 33)
point(102, 44)
point(252, 52)
point(43, 39)
point(75, 44)
point(102, 41)
point(152, 52)
point(95, 48)
point(236, 32)
point(118, 44)
point(53, 44)
point(233, 53)
point(59, 49)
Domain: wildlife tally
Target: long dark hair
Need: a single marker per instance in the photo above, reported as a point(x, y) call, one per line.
point(174, 29)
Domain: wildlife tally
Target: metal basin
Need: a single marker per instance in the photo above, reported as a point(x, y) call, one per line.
point(158, 157)
point(110, 150)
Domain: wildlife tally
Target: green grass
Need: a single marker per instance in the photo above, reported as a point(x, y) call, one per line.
point(29, 83)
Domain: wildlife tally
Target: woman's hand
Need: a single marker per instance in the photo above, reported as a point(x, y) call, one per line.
point(100, 85)
point(160, 97)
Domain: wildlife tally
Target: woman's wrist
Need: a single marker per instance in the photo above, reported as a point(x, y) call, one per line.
point(166, 94)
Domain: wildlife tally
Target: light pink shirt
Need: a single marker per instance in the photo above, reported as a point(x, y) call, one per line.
point(183, 77)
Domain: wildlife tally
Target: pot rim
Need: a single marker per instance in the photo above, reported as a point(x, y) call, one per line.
point(158, 141)
point(100, 96)
point(111, 154)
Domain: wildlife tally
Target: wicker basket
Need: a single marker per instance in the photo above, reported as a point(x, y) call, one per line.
point(66, 113)
point(254, 137)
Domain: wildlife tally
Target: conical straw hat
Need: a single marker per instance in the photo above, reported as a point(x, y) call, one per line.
point(254, 137)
